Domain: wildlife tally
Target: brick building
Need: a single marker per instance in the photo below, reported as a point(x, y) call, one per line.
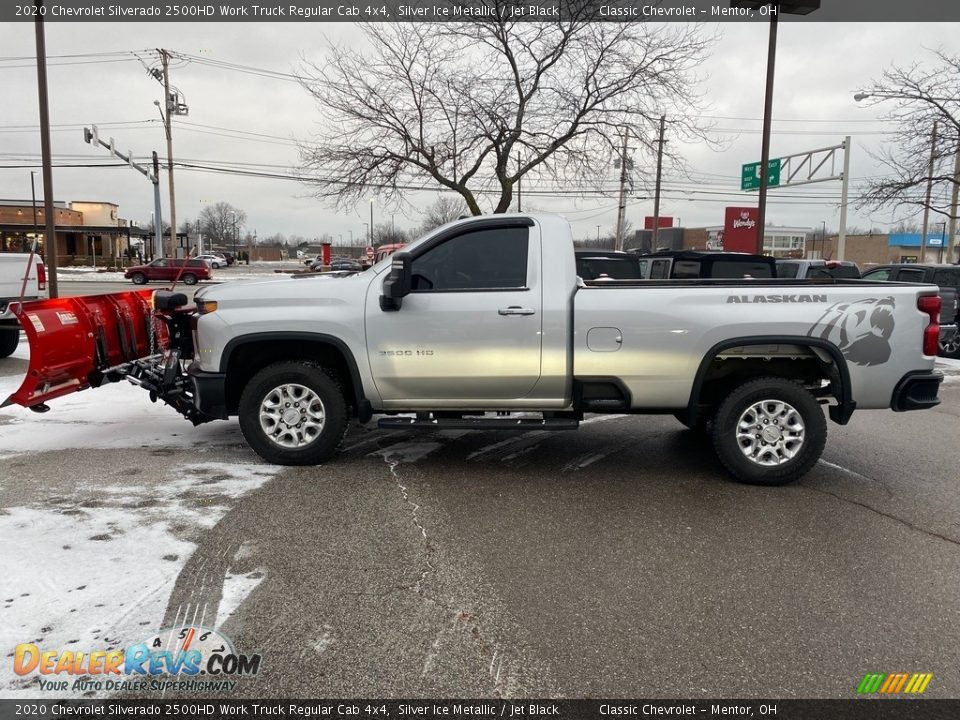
point(86, 231)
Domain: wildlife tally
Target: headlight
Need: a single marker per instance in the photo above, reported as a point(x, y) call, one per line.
point(205, 306)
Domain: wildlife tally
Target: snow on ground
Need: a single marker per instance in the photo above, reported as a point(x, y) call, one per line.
point(93, 567)
point(118, 415)
point(950, 368)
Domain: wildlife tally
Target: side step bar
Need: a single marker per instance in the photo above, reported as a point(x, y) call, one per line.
point(500, 423)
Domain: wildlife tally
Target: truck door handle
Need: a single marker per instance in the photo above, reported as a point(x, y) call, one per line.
point(516, 310)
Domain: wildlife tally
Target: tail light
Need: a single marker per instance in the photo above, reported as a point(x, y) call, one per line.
point(930, 304)
point(41, 276)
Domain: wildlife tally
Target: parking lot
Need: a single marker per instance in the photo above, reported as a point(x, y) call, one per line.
point(616, 561)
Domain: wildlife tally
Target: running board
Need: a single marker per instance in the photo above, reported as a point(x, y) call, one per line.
point(500, 423)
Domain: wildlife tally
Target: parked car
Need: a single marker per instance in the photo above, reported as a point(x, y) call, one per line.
point(787, 268)
point(228, 257)
point(167, 269)
point(948, 278)
point(385, 251)
point(213, 260)
point(607, 265)
point(693, 264)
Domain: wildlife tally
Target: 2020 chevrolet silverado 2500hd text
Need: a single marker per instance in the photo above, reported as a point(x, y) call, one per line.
point(487, 315)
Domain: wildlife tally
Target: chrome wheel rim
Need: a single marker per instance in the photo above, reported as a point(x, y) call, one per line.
point(770, 432)
point(292, 415)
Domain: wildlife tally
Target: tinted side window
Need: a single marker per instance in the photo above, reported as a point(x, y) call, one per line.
point(740, 269)
point(878, 275)
point(787, 270)
point(479, 260)
point(910, 276)
point(659, 269)
point(947, 278)
point(686, 269)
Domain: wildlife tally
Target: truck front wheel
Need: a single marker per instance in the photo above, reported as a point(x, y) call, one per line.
point(769, 431)
point(293, 413)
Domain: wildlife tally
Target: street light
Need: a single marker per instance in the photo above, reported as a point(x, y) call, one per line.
point(790, 7)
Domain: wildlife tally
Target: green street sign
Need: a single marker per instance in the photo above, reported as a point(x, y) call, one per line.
point(750, 175)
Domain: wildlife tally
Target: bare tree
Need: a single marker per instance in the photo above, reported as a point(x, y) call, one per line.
point(919, 97)
point(475, 107)
point(446, 208)
point(220, 221)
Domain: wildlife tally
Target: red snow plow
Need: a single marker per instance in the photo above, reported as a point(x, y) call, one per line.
point(82, 342)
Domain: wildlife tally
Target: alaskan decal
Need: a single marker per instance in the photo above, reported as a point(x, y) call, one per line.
point(861, 329)
point(749, 299)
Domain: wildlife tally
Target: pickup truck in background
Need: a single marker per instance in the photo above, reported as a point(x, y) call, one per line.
point(484, 324)
point(947, 278)
point(13, 267)
point(691, 264)
point(787, 268)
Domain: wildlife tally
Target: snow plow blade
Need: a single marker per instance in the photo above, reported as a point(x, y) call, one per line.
point(77, 342)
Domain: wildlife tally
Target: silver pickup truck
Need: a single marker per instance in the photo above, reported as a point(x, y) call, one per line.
point(485, 324)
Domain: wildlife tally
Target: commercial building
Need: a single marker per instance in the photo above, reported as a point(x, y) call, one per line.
point(86, 232)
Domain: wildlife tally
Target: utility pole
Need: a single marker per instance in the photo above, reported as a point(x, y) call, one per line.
point(765, 137)
point(926, 206)
point(844, 192)
point(50, 231)
point(621, 210)
point(370, 226)
point(165, 59)
point(953, 205)
point(598, 233)
point(519, 188)
point(656, 198)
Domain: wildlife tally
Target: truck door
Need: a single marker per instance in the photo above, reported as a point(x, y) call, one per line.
point(469, 333)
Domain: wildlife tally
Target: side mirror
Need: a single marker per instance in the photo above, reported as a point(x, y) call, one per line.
point(398, 282)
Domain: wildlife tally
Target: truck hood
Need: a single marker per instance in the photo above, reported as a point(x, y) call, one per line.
point(296, 288)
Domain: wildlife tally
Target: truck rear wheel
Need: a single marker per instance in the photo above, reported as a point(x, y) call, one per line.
point(9, 339)
point(769, 431)
point(293, 413)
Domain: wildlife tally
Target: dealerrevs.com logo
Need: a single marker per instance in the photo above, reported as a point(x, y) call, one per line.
point(894, 683)
point(173, 659)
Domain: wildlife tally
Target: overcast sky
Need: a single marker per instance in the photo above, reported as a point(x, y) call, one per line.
point(240, 117)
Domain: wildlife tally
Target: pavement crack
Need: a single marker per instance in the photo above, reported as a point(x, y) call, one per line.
point(427, 568)
point(462, 620)
point(889, 516)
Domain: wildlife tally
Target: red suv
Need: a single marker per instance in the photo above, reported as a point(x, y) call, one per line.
point(167, 269)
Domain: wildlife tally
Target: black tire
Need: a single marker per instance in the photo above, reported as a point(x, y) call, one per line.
point(189, 279)
point(9, 339)
point(951, 348)
point(301, 448)
point(215, 266)
point(139, 279)
point(782, 468)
